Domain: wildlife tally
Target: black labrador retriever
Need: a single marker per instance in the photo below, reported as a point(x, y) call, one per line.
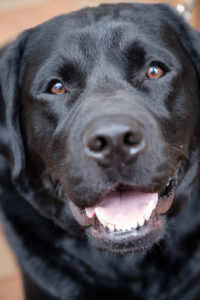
point(99, 143)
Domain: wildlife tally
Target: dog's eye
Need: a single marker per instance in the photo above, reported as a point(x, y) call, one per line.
point(58, 88)
point(154, 72)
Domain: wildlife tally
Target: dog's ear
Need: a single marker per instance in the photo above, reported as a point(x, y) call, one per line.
point(11, 145)
point(188, 36)
point(190, 39)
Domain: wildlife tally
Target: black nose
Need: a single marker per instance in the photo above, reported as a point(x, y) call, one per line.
point(111, 138)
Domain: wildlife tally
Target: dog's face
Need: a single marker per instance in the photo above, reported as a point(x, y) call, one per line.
point(109, 107)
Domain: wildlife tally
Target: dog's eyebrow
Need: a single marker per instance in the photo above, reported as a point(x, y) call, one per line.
point(135, 53)
point(70, 71)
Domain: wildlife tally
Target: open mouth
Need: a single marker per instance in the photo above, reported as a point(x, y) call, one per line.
point(125, 216)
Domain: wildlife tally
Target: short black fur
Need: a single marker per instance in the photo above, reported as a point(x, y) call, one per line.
point(101, 55)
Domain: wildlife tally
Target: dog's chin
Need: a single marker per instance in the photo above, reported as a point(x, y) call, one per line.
point(126, 220)
point(127, 241)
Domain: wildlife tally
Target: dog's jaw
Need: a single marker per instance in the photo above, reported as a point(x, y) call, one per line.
point(126, 221)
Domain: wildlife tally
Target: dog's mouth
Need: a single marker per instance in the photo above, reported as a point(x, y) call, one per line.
point(126, 219)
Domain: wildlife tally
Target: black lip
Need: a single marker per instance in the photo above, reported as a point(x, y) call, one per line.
point(172, 182)
point(121, 186)
point(127, 242)
point(141, 238)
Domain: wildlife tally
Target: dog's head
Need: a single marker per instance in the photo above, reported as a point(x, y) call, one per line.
point(99, 116)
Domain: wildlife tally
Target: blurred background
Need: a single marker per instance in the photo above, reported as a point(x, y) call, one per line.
point(15, 16)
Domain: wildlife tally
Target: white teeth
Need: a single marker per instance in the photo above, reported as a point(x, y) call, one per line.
point(118, 228)
point(111, 227)
point(122, 227)
point(149, 210)
point(134, 224)
point(100, 219)
point(141, 222)
point(129, 227)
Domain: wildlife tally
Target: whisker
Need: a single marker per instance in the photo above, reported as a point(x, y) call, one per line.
point(172, 166)
point(52, 212)
point(189, 196)
point(180, 151)
point(57, 165)
point(64, 182)
point(158, 244)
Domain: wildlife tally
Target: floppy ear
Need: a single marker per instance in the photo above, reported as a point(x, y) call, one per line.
point(188, 36)
point(190, 39)
point(11, 145)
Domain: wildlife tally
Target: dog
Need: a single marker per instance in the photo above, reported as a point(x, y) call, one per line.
point(99, 165)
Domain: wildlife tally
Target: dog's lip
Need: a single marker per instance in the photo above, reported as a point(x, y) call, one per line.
point(81, 218)
point(163, 205)
point(126, 242)
point(140, 239)
point(135, 239)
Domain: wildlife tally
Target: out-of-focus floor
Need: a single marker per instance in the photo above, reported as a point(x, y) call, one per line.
point(15, 16)
point(10, 281)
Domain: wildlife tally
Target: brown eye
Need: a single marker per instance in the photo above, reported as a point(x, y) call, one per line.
point(58, 88)
point(155, 72)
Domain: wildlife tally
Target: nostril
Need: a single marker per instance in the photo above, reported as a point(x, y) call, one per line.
point(115, 139)
point(98, 148)
point(97, 144)
point(132, 138)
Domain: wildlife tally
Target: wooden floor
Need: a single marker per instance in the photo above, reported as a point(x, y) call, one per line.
point(10, 281)
point(15, 16)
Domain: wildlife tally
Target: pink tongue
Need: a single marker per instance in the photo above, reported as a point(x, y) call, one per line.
point(123, 208)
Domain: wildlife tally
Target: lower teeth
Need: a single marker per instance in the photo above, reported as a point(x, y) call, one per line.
point(137, 224)
point(125, 228)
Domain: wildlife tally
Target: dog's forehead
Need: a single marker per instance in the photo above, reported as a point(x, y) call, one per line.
point(119, 22)
point(87, 35)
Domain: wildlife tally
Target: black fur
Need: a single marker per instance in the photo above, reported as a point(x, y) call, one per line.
point(102, 55)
